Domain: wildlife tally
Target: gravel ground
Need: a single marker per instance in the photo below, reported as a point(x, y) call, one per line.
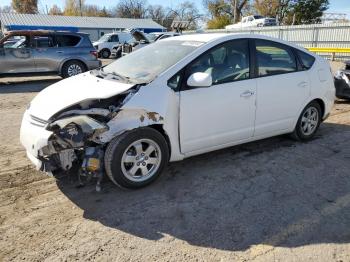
point(272, 200)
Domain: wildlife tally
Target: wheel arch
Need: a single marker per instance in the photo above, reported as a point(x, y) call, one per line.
point(69, 60)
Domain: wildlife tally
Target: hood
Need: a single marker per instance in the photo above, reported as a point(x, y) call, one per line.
point(139, 36)
point(96, 43)
point(71, 91)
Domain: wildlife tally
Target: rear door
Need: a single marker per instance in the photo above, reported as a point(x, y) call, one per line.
point(45, 53)
point(282, 89)
point(17, 58)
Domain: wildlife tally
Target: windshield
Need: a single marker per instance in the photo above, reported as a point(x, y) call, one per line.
point(258, 16)
point(103, 38)
point(145, 64)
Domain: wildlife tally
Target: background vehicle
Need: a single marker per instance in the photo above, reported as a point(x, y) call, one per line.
point(177, 98)
point(62, 53)
point(105, 44)
point(342, 82)
point(163, 35)
point(253, 21)
point(138, 40)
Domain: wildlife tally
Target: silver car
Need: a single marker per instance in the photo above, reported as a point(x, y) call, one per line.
point(62, 53)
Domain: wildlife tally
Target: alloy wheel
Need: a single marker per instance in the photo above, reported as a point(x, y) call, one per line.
point(141, 160)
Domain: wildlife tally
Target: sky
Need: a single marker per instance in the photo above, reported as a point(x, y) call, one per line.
point(336, 6)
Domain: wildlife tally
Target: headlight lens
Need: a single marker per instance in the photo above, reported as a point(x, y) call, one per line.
point(87, 124)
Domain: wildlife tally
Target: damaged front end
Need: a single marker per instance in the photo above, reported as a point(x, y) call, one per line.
point(74, 143)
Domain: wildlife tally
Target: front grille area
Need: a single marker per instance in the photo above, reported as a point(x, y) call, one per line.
point(36, 121)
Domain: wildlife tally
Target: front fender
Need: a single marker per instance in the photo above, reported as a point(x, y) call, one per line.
point(128, 119)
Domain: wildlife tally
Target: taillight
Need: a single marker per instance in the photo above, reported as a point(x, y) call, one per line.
point(94, 53)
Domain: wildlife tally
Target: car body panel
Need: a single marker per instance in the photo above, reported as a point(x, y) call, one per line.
point(201, 106)
point(83, 87)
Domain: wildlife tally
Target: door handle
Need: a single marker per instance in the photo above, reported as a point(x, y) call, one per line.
point(247, 93)
point(302, 84)
point(59, 52)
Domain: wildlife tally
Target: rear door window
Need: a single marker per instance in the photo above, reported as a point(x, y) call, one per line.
point(43, 41)
point(274, 58)
point(67, 40)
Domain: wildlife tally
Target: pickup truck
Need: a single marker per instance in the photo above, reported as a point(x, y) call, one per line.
point(253, 21)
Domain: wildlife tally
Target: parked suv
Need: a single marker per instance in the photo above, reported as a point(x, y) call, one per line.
point(105, 44)
point(64, 53)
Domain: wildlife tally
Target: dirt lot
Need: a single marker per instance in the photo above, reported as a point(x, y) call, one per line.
point(272, 200)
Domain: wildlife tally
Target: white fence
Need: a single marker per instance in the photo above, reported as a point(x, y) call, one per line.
point(316, 35)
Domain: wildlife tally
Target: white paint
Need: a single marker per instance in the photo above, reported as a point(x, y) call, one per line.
point(201, 119)
point(71, 91)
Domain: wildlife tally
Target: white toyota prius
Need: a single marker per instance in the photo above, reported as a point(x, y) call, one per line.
point(174, 99)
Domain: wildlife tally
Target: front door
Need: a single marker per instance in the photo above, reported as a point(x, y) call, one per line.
point(224, 112)
point(17, 57)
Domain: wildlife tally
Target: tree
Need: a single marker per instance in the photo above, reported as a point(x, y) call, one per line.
point(91, 10)
point(307, 11)
point(55, 10)
point(268, 8)
point(220, 12)
point(186, 11)
point(232, 9)
point(25, 6)
point(237, 7)
point(131, 9)
point(74, 7)
point(104, 13)
point(156, 13)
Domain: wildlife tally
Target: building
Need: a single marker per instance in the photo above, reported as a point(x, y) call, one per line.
point(94, 26)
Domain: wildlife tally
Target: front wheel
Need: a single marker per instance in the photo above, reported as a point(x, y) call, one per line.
point(136, 158)
point(308, 122)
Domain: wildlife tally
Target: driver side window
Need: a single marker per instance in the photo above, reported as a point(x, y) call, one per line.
point(225, 63)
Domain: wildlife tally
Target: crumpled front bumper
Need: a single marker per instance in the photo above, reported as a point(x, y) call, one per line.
point(34, 137)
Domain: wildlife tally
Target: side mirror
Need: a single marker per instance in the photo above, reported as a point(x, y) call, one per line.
point(200, 80)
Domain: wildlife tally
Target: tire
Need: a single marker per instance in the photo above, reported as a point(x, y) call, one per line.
point(130, 165)
point(105, 53)
point(307, 125)
point(72, 68)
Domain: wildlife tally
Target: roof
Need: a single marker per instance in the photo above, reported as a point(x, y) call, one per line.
point(8, 19)
point(208, 37)
point(198, 37)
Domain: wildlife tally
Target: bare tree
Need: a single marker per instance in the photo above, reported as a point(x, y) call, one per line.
point(131, 9)
point(25, 6)
point(186, 11)
point(156, 13)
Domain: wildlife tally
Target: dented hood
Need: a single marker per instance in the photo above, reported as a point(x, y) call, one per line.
point(71, 91)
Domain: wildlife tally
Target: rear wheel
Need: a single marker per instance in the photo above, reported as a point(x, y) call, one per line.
point(136, 158)
point(105, 53)
point(308, 122)
point(72, 68)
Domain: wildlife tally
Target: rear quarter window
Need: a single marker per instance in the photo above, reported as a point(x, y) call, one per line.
point(67, 40)
point(306, 59)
